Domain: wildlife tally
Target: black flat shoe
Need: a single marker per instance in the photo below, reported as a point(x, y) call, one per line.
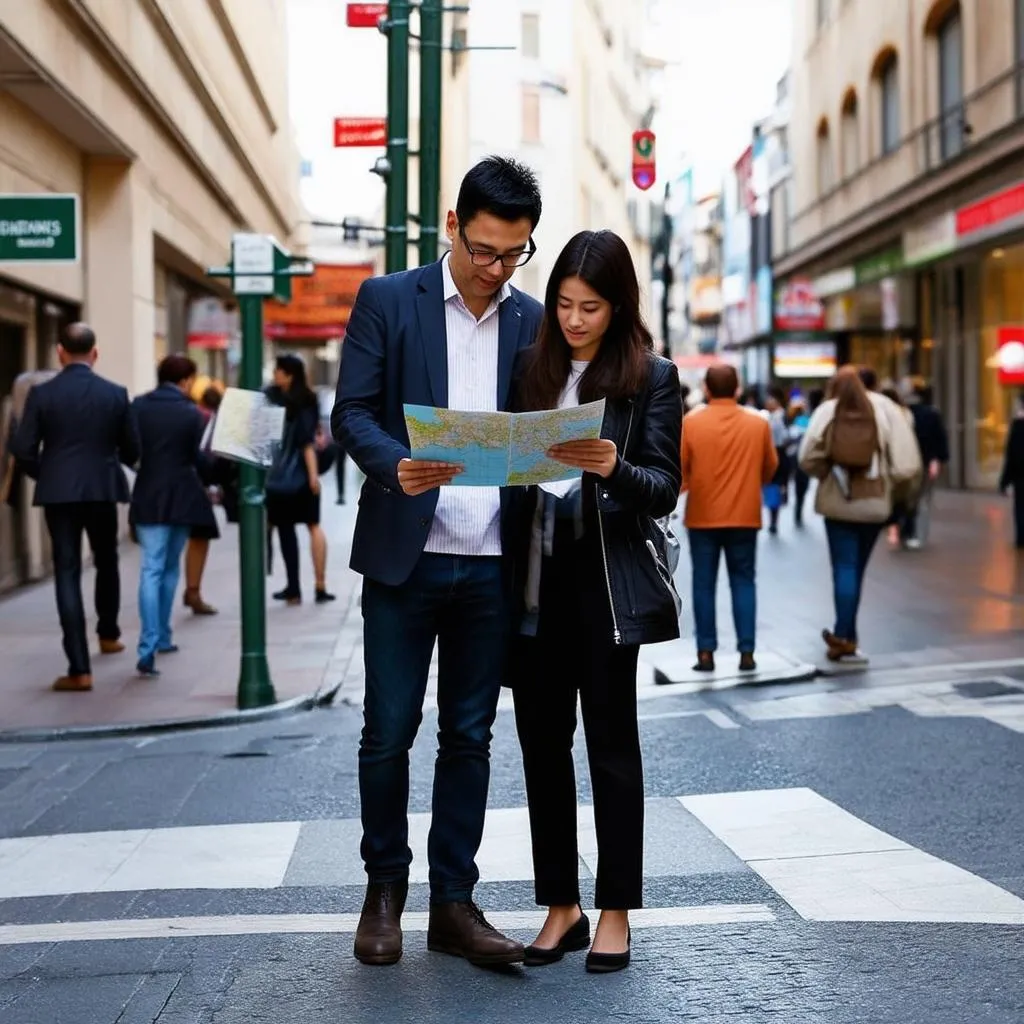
point(575, 939)
point(705, 662)
point(609, 963)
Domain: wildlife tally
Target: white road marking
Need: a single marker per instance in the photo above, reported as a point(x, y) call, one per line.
point(719, 718)
point(282, 924)
point(829, 865)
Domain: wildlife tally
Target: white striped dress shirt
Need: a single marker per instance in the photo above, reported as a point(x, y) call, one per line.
point(467, 520)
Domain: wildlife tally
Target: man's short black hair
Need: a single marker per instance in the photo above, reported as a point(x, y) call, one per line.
point(500, 186)
point(79, 339)
point(868, 378)
point(173, 369)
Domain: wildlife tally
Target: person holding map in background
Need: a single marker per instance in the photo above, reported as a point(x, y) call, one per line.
point(593, 582)
point(443, 336)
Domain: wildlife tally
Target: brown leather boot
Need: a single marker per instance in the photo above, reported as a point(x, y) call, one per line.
point(73, 684)
point(379, 934)
point(460, 929)
point(111, 646)
point(193, 600)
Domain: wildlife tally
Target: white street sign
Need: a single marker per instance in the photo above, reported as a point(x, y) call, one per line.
point(253, 254)
point(254, 285)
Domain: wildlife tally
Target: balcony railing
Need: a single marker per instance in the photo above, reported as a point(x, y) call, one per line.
point(940, 142)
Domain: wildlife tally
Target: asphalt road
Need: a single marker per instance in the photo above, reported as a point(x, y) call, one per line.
point(875, 875)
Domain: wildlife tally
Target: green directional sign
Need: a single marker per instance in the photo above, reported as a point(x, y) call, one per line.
point(39, 228)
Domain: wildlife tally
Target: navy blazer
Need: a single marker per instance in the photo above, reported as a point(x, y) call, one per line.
point(169, 489)
point(395, 353)
point(76, 433)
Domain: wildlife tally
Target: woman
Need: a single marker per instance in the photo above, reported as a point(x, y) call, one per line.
point(293, 482)
point(1013, 469)
point(902, 505)
point(198, 549)
point(860, 448)
point(776, 492)
point(592, 585)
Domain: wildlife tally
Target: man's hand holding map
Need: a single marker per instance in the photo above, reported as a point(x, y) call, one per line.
point(500, 449)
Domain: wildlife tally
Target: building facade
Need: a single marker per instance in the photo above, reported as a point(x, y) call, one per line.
point(907, 218)
point(169, 122)
point(564, 96)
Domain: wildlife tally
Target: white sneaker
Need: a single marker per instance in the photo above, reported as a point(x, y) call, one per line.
point(914, 544)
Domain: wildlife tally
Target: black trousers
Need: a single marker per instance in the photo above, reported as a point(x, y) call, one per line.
point(574, 654)
point(1018, 513)
point(66, 523)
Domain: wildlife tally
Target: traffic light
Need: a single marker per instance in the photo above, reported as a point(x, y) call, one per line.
point(643, 159)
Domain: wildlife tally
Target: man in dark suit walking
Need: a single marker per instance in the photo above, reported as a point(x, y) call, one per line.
point(443, 335)
point(76, 434)
point(168, 501)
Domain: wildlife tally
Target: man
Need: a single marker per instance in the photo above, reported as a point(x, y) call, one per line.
point(728, 456)
point(76, 433)
point(933, 441)
point(443, 335)
point(168, 501)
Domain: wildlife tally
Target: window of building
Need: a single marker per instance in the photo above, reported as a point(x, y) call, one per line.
point(531, 36)
point(823, 11)
point(889, 80)
point(951, 84)
point(531, 114)
point(826, 176)
point(850, 136)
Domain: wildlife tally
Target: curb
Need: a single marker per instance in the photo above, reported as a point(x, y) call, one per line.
point(282, 709)
point(801, 672)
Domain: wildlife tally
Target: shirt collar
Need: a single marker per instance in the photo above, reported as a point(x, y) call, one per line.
point(451, 290)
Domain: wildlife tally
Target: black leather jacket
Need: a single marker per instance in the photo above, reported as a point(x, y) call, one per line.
point(620, 511)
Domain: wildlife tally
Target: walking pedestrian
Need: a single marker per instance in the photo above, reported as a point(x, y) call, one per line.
point(1013, 470)
point(293, 482)
point(169, 500)
point(860, 448)
point(903, 499)
point(590, 563)
point(933, 440)
point(777, 490)
point(76, 434)
point(443, 335)
point(200, 535)
point(728, 455)
point(801, 417)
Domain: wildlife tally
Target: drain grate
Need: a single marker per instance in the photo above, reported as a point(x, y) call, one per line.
point(983, 688)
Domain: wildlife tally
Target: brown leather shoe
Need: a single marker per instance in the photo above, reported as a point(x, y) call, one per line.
point(460, 929)
point(838, 648)
point(193, 600)
point(379, 934)
point(111, 646)
point(73, 684)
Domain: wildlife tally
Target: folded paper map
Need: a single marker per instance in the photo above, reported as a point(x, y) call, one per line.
point(501, 449)
point(248, 428)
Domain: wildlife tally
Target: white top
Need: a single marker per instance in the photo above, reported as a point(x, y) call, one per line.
point(569, 398)
point(467, 520)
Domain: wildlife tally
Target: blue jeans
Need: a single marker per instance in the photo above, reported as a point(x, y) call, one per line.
point(457, 602)
point(162, 546)
point(740, 547)
point(849, 546)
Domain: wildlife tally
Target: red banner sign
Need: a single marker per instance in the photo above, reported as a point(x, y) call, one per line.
point(360, 131)
point(1010, 355)
point(365, 15)
point(798, 308)
point(993, 211)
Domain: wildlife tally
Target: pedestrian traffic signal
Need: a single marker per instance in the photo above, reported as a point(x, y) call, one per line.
point(643, 159)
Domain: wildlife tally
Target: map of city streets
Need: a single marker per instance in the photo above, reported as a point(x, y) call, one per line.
point(500, 449)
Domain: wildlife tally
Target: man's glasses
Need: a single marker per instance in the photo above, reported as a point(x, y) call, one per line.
point(484, 258)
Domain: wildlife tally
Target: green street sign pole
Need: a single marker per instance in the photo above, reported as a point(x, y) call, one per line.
point(431, 48)
point(255, 690)
point(396, 254)
point(259, 269)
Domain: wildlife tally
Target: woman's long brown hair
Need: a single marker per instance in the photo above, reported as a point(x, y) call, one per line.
point(601, 260)
point(848, 390)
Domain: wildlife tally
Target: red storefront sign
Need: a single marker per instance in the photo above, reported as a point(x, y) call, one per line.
point(360, 131)
point(365, 15)
point(1010, 355)
point(993, 211)
point(798, 308)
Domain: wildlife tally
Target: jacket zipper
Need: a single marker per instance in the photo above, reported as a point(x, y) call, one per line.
point(616, 632)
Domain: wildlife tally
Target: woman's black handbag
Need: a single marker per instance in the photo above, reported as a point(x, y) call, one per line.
point(326, 457)
point(288, 473)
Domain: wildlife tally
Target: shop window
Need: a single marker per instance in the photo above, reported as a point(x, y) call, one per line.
point(826, 169)
point(889, 91)
point(531, 36)
point(823, 12)
point(951, 84)
point(531, 114)
point(850, 135)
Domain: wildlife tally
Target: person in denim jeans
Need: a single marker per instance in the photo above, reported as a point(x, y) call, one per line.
point(728, 455)
point(168, 500)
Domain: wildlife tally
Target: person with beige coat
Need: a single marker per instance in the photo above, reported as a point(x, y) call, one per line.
point(856, 491)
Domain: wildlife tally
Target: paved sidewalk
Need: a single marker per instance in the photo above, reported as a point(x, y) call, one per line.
point(308, 652)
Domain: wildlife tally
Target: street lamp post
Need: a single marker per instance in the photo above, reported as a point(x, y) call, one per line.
point(396, 253)
point(431, 48)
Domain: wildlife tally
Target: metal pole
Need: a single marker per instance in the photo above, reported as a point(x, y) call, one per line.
point(255, 689)
point(431, 36)
point(396, 252)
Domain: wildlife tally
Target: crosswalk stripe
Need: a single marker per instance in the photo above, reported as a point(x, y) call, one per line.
point(829, 865)
point(412, 922)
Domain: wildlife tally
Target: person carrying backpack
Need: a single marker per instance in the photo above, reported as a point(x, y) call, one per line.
point(862, 450)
